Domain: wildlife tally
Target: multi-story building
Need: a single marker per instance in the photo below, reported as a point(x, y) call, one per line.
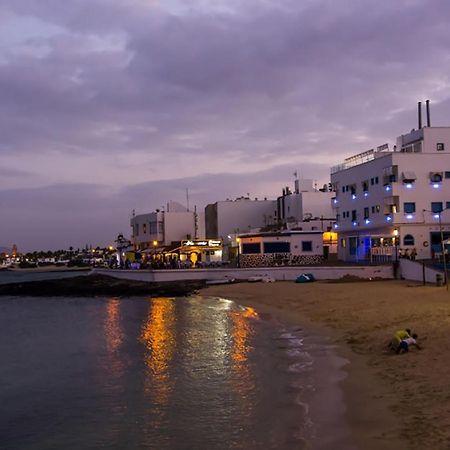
point(162, 228)
point(392, 202)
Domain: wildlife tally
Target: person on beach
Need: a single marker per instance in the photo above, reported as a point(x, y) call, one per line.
point(406, 343)
point(398, 337)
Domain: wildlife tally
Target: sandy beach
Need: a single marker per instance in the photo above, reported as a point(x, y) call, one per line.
point(393, 401)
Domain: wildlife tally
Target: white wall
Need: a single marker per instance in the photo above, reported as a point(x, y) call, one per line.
point(177, 226)
point(240, 216)
point(279, 273)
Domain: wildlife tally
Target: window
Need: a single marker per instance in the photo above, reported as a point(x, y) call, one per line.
point(366, 213)
point(447, 205)
point(354, 215)
point(408, 240)
point(409, 207)
point(365, 186)
point(144, 228)
point(436, 177)
point(447, 174)
point(251, 248)
point(440, 146)
point(343, 243)
point(373, 209)
point(377, 208)
point(372, 181)
point(436, 207)
point(277, 247)
point(306, 246)
point(376, 180)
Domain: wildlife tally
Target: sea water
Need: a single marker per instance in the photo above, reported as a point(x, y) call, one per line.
point(162, 373)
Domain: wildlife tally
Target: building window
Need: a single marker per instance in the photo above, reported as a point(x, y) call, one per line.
point(409, 207)
point(447, 205)
point(306, 246)
point(436, 207)
point(343, 243)
point(251, 248)
point(277, 247)
point(366, 213)
point(436, 177)
point(440, 146)
point(354, 215)
point(408, 240)
point(144, 228)
point(377, 208)
point(365, 186)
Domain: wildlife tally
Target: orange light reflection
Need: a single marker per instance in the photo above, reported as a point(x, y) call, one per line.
point(159, 337)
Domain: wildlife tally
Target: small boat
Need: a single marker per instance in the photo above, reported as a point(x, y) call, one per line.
point(221, 281)
point(263, 279)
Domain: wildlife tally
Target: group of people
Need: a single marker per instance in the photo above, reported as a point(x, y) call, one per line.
point(407, 254)
point(403, 340)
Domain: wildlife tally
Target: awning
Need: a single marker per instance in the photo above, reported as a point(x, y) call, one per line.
point(409, 177)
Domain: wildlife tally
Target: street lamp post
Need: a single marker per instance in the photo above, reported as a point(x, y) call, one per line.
point(444, 259)
point(396, 252)
point(441, 232)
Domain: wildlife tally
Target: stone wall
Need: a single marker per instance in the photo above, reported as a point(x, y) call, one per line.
point(278, 259)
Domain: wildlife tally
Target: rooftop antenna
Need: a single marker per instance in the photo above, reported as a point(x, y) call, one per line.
point(187, 198)
point(428, 113)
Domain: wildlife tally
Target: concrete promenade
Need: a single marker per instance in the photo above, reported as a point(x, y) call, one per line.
point(278, 273)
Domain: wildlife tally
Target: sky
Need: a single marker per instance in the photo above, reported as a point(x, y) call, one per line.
point(110, 106)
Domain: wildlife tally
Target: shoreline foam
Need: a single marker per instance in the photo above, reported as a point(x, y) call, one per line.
point(393, 401)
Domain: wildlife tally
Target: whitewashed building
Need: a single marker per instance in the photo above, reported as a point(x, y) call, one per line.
point(389, 202)
point(232, 217)
point(285, 248)
point(162, 228)
point(306, 208)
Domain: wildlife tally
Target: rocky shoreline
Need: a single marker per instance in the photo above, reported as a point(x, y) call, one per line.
point(100, 285)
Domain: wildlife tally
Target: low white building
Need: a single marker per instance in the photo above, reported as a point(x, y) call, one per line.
point(232, 217)
point(390, 202)
point(286, 248)
point(306, 203)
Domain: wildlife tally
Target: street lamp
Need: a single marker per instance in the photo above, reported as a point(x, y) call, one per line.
point(395, 232)
point(441, 232)
point(238, 241)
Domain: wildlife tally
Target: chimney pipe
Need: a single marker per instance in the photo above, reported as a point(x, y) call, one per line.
point(428, 113)
point(419, 110)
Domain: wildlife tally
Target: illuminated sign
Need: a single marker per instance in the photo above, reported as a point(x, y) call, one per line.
point(209, 243)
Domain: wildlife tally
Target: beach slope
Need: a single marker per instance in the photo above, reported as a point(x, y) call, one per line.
point(393, 401)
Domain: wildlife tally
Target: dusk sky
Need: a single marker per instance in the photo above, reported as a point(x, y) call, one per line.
point(113, 105)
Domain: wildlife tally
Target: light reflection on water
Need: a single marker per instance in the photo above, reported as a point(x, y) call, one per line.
point(157, 373)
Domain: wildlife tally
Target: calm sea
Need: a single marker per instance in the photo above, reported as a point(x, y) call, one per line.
point(162, 373)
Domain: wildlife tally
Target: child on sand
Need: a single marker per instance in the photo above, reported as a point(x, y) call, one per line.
point(404, 345)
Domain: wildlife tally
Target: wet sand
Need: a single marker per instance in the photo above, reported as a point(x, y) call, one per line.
point(393, 401)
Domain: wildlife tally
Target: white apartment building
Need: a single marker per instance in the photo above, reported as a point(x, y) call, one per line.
point(162, 228)
point(391, 201)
